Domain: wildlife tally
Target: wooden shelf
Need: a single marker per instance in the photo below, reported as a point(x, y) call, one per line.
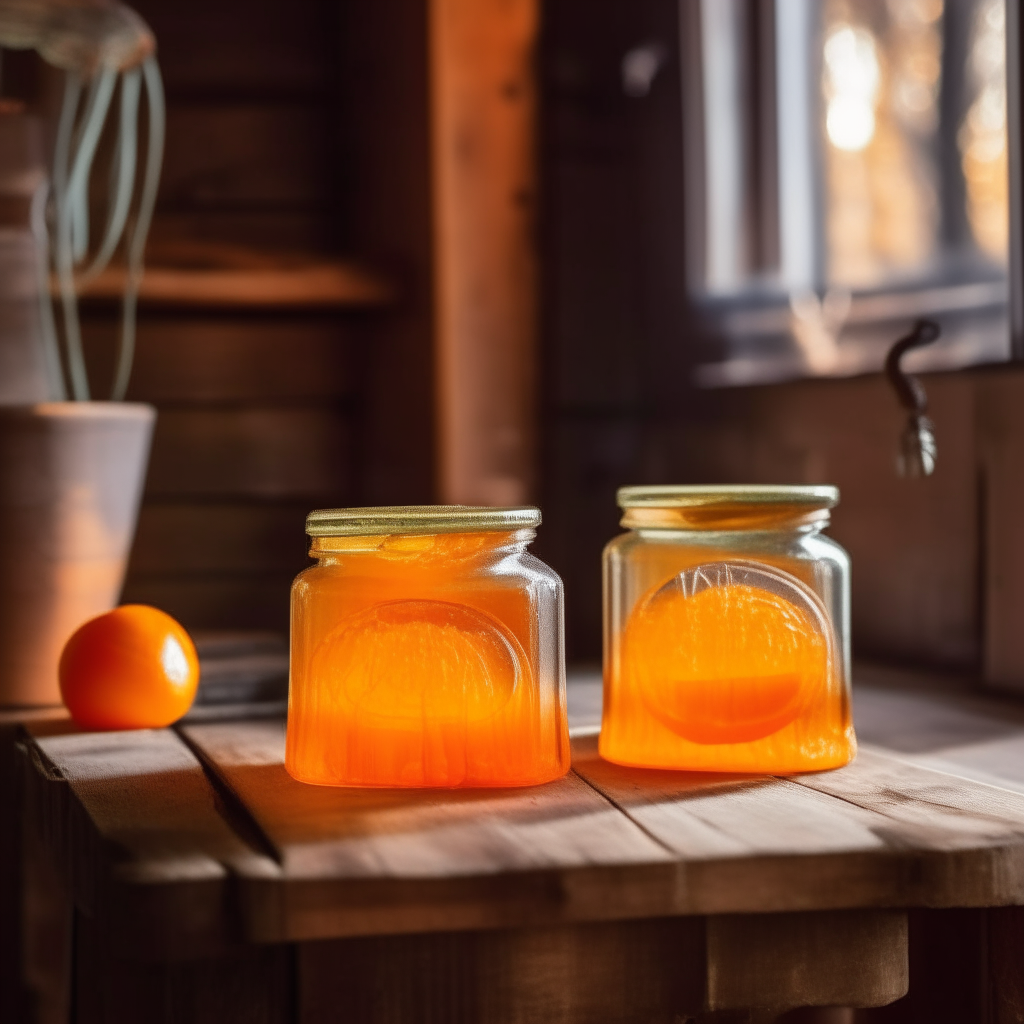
point(227, 277)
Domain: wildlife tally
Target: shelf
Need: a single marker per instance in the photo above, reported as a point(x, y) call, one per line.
point(207, 276)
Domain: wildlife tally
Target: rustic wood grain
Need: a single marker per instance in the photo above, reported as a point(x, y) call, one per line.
point(326, 284)
point(249, 600)
point(660, 969)
point(880, 832)
point(236, 48)
point(385, 81)
point(1005, 934)
point(159, 856)
point(376, 861)
point(607, 973)
point(1001, 448)
point(14, 995)
point(483, 93)
point(244, 154)
point(44, 964)
point(193, 359)
point(134, 823)
point(827, 958)
point(255, 452)
point(179, 538)
point(243, 985)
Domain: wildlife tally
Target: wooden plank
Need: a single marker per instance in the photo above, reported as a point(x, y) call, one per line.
point(325, 284)
point(358, 862)
point(1005, 948)
point(182, 538)
point(826, 958)
point(236, 48)
point(299, 229)
point(14, 995)
point(244, 985)
point(483, 96)
point(246, 154)
point(257, 358)
point(385, 81)
point(658, 969)
point(1001, 448)
point(617, 973)
point(46, 919)
point(209, 601)
point(942, 723)
point(914, 543)
point(256, 452)
point(879, 832)
point(134, 823)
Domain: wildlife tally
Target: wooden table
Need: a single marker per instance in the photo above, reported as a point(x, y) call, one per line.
point(182, 875)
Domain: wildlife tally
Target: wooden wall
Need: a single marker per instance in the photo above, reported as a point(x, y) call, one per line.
point(936, 563)
point(293, 136)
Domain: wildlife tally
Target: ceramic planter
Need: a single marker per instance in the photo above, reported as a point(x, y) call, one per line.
point(71, 477)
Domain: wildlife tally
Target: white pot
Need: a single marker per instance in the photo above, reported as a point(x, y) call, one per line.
point(71, 478)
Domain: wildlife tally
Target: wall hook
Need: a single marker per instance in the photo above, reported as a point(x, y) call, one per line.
point(918, 450)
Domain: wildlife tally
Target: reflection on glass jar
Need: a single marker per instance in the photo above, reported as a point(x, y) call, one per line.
point(726, 631)
point(426, 651)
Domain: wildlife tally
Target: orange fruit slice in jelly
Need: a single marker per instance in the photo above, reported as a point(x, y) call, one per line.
point(412, 662)
point(728, 652)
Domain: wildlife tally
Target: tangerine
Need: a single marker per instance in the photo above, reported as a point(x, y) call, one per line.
point(131, 668)
point(729, 664)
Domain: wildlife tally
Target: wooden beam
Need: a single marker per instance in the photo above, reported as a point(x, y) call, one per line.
point(483, 104)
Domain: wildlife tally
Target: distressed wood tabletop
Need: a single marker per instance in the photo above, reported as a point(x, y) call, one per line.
point(613, 894)
point(197, 831)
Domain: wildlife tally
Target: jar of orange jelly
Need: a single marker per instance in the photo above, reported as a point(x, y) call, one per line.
point(726, 625)
point(426, 650)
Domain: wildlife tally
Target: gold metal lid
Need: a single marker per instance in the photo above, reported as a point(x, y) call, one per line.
point(726, 506)
point(405, 519)
point(703, 495)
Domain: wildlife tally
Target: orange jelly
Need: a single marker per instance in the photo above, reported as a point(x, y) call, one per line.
point(725, 632)
point(426, 651)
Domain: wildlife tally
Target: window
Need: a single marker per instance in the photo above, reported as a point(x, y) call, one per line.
point(848, 171)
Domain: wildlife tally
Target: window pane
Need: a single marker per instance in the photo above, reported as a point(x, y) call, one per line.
point(881, 82)
point(982, 135)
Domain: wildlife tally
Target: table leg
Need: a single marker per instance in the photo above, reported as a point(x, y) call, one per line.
point(1006, 965)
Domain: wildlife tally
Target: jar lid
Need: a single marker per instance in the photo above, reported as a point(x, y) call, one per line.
point(703, 495)
point(393, 519)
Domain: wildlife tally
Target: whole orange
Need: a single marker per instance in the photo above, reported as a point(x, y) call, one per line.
point(132, 668)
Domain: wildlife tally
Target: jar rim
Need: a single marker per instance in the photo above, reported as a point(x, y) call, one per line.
point(419, 519)
point(805, 496)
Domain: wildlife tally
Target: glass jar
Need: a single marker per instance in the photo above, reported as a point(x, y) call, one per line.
point(426, 650)
point(726, 631)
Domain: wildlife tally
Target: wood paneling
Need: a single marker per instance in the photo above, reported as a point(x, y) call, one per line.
point(181, 538)
point(217, 600)
point(1001, 430)
point(245, 155)
point(385, 123)
point(258, 409)
point(252, 985)
point(240, 48)
point(257, 358)
point(256, 453)
point(914, 544)
point(303, 284)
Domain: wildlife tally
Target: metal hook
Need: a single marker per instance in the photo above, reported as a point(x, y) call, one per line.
point(918, 450)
